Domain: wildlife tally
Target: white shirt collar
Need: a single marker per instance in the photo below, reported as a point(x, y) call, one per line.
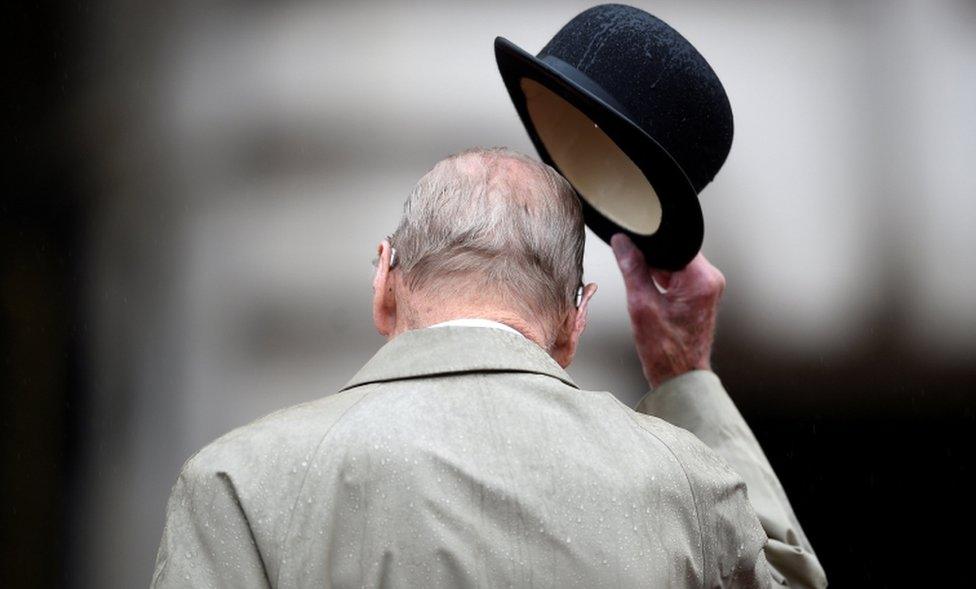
point(476, 322)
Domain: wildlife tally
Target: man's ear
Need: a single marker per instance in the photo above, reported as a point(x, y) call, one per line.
point(384, 293)
point(564, 349)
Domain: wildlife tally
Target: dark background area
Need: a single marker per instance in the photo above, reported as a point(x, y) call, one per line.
point(885, 500)
point(875, 450)
point(42, 219)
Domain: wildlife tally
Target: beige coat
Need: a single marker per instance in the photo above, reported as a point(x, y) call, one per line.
point(466, 457)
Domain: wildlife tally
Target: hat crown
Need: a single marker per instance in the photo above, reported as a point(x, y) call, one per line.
point(664, 84)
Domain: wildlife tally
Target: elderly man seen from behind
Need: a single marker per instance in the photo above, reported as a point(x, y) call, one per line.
point(463, 455)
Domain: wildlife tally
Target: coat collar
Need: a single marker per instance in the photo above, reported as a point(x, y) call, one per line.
point(454, 349)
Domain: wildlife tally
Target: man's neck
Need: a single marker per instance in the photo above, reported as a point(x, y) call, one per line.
point(512, 320)
point(476, 322)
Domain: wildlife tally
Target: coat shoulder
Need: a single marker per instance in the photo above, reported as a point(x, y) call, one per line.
point(704, 468)
point(731, 534)
point(260, 469)
point(277, 441)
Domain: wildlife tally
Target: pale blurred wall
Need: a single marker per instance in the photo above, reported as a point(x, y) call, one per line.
point(249, 157)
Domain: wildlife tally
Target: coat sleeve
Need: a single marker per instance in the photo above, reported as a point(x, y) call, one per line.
point(697, 402)
point(207, 540)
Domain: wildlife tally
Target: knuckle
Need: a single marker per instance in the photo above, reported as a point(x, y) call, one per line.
point(719, 281)
point(715, 282)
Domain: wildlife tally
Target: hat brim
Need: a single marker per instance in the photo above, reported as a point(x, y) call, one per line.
point(679, 236)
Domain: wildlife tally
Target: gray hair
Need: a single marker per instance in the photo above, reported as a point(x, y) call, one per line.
point(494, 223)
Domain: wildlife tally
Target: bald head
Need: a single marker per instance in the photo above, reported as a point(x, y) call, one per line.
point(492, 228)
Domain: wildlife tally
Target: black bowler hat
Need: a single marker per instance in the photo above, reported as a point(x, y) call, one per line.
point(633, 116)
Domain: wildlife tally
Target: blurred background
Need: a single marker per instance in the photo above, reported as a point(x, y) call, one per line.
point(194, 192)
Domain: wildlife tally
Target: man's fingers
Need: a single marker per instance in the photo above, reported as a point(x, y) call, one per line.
point(631, 262)
point(643, 297)
point(629, 258)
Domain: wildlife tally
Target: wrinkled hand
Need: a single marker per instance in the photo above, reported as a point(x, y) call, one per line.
point(673, 330)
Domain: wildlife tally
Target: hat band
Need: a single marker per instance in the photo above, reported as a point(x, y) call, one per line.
point(586, 83)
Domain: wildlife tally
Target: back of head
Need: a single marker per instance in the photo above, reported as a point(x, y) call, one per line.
point(492, 228)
